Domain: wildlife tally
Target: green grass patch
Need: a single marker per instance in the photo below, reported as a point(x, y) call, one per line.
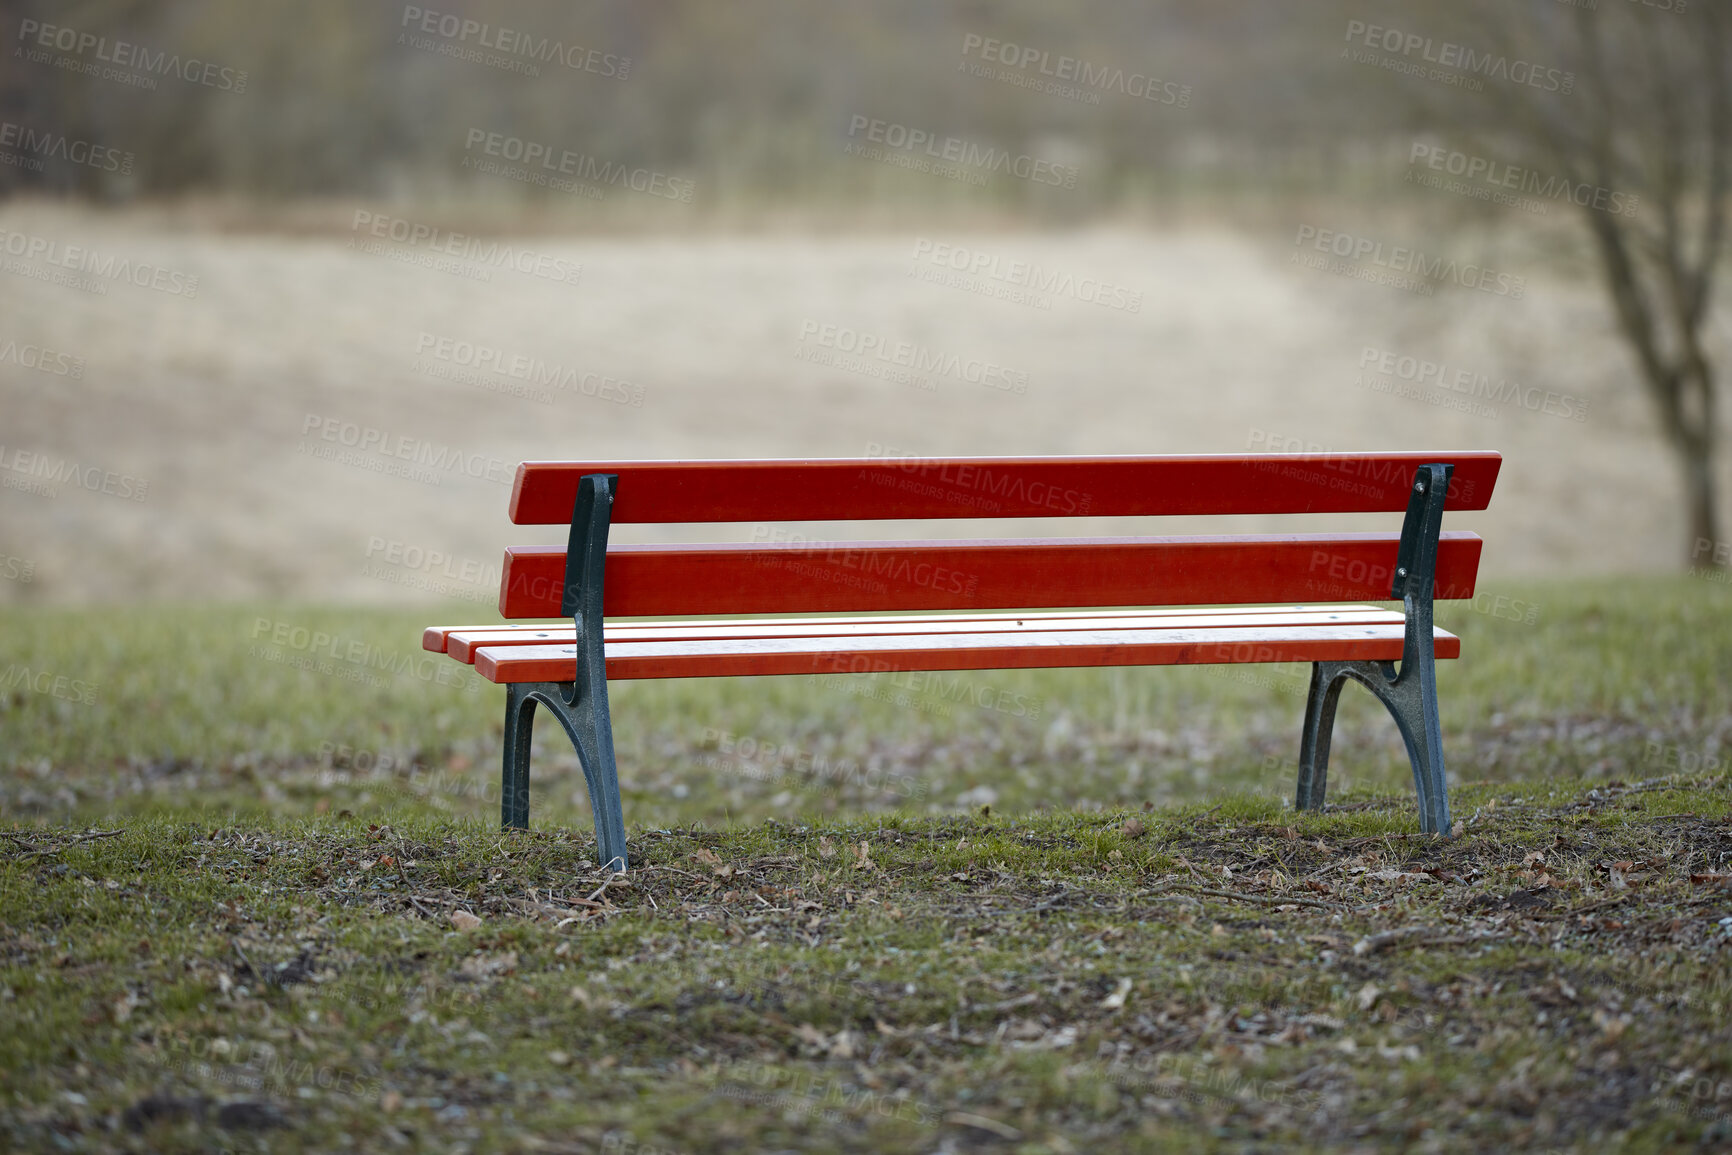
point(253, 896)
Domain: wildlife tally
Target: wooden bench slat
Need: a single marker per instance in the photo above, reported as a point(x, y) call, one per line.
point(848, 489)
point(435, 638)
point(462, 644)
point(1045, 649)
point(666, 580)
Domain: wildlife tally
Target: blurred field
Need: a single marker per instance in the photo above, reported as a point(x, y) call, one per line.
point(208, 399)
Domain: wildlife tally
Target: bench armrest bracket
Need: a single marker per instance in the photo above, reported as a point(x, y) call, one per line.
point(585, 566)
point(1416, 560)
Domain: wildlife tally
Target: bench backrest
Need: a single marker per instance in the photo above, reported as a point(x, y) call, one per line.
point(801, 576)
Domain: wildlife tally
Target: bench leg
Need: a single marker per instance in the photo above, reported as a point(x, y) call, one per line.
point(591, 732)
point(1411, 698)
point(1326, 682)
point(514, 780)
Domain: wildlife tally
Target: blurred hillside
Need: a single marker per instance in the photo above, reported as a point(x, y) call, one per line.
point(752, 101)
point(230, 232)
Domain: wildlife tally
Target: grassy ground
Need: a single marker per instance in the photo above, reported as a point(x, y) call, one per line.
point(253, 896)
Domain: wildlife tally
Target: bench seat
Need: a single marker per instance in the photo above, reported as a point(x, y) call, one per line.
point(879, 644)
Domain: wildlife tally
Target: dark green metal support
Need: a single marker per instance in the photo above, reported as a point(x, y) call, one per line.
point(1410, 694)
point(581, 704)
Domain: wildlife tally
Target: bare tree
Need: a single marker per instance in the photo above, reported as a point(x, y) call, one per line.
point(1648, 116)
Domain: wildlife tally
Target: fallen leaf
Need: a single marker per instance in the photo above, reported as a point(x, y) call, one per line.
point(1133, 827)
point(982, 1123)
point(486, 966)
point(1116, 1000)
point(463, 920)
point(826, 848)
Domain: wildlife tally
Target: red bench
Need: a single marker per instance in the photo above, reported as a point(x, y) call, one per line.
point(1059, 588)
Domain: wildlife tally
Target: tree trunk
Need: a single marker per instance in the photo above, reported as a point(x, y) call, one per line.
point(1697, 423)
point(1706, 550)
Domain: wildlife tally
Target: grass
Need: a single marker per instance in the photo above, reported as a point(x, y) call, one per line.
point(253, 906)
